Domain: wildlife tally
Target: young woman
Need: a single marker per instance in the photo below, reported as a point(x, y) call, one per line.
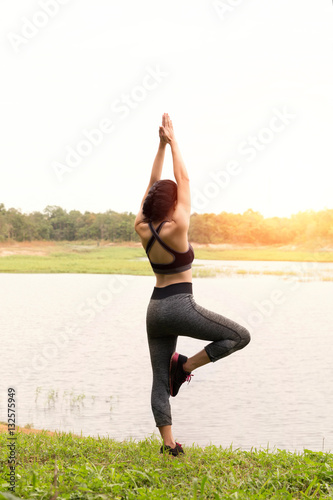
point(162, 224)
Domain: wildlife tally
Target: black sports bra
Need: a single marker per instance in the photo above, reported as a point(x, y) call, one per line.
point(182, 260)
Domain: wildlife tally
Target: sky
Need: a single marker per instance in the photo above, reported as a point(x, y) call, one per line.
point(247, 83)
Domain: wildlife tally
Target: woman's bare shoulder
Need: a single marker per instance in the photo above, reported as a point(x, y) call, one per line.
point(170, 229)
point(142, 229)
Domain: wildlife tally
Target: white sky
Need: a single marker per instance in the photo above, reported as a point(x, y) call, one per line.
point(225, 78)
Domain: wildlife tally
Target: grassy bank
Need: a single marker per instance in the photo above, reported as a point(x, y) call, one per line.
point(62, 257)
point(264, 254)
point(75, 259)
point(64, 466)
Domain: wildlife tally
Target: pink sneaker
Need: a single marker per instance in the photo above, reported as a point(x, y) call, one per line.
point(177, 375)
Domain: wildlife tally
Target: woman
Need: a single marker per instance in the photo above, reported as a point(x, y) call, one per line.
point(162, 224)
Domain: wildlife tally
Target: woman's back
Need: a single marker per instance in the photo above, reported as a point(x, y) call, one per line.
point(170, 234)
point(172, 256)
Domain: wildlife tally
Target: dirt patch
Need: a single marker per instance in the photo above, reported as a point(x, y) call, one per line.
point(39, 248)
point(217, 246)
point(21, 251)
point(4, 428)
point(131, 244)
point(45, 248)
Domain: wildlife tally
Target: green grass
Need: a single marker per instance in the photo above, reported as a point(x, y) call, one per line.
point(213, 272)
point(67, 467)
point(76, 258)
point(270, 254)
point(103, 260)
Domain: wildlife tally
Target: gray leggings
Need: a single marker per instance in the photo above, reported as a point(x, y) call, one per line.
point(172, 311)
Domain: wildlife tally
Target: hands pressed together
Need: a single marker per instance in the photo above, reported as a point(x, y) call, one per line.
point(166, 131)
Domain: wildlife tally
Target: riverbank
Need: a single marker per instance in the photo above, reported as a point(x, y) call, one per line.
point(59, 466)
point(129, 258)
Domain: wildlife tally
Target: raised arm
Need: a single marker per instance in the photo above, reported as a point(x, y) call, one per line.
point(155, 175)
point(156, 171)
point(183, 207)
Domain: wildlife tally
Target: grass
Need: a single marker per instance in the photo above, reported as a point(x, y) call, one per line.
point(265, 254)
point(66, 259)
point(64, 466)
point(212, 272)
point(120, 259)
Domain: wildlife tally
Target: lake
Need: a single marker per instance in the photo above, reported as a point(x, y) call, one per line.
point(74, 347)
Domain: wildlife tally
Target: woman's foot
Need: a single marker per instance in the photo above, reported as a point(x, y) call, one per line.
point(177, 375)
point(177, 450)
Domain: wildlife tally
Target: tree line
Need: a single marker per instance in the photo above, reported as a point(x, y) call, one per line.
point(57, 224)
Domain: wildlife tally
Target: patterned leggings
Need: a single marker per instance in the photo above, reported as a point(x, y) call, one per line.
point(172, 311)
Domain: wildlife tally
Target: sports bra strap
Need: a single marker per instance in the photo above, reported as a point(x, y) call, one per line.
point(182, 260)
point(155, 235)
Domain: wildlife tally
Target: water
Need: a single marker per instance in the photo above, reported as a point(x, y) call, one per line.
point(74, 347)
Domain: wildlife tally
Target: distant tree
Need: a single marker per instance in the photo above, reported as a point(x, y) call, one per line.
point(59, 221)
point(55, 223)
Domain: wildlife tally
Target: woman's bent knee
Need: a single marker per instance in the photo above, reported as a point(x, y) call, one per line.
point(245, 337)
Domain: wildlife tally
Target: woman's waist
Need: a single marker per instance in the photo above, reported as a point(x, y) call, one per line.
point(172, 289)
point(163, 280)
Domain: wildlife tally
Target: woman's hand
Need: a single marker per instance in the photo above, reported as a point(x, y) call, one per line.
point(166, 132)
